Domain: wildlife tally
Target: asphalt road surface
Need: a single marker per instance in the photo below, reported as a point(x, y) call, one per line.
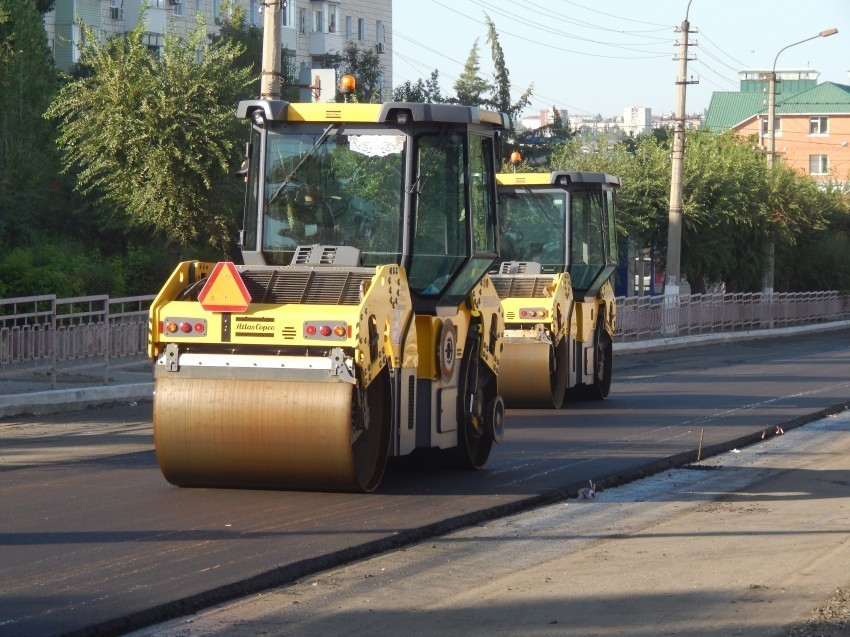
point(94, 541)
point(750, 542)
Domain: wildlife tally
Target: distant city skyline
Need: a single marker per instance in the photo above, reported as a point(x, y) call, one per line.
point(591, 60)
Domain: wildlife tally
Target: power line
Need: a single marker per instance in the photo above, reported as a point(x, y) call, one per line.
point(718, 60)
point(740, 64)
point(720, 75)
point(557, 16)
point(611, 15)
point(558, 48)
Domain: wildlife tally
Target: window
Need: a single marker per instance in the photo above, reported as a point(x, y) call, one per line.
point(177, 8)
point(216, 10)
point(153, 42)
point(302, 21)
point(610, 227)
point(361, 29)
point(349, 28)
point(254, 13)
point(587, 254)
point(288, 15)
point(818, 164)
point(777, 126)
point(440, 241)
point(818, 126)
point(480, 150)
point(333, 18)
point(77, 40)
point(379, 32)
point(318, 21)
point(199, 6)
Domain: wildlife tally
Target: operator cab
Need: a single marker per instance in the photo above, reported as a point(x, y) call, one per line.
point(362, 185)
point(562, 221)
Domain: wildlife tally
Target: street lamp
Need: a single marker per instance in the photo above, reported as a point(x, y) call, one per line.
point(829, 166)
point(767, 281)
point(771, 95)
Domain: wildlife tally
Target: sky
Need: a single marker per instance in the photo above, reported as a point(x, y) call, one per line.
point(594, 57)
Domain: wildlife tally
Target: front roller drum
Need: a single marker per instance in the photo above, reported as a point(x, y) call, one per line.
point(270, 434)
point(533, 375)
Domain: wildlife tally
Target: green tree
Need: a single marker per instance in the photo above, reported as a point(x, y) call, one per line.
point(810, 227)
point(28, 159)
point(421, 91)
point(470, 87)
point(501, 91)
point(724, 237)
point(154, 135)
point(410, 92)
point(559, 129)
point(364, 65)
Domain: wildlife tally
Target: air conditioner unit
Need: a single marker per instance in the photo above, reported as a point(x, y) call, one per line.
point(380, 47)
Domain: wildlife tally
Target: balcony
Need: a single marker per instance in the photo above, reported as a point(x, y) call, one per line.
point(321, 43)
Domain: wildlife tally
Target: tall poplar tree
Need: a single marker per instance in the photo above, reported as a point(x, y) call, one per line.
point(501, 91)
point(470, 86)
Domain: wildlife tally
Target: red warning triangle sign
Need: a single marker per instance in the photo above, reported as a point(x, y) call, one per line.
point(224, 290)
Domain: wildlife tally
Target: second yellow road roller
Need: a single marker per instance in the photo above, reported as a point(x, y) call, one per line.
point(361, 323)
point(558, 248)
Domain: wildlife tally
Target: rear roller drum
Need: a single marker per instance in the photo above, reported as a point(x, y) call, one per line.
point(271, 434)
point(534, 375)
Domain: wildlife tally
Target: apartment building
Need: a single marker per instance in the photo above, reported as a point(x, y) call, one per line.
point(310, 28)
point(637, 120)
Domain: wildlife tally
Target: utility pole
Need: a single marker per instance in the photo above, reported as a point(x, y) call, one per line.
point(674, 224)
point(270, 81)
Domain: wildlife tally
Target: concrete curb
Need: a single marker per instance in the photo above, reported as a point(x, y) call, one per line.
point(61, 400)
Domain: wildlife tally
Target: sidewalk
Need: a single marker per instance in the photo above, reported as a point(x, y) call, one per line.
point(30, 393)
point(752, 543)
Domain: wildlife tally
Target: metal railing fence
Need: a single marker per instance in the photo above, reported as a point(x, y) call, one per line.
point(49, 335)
point(52, 336)
point(648, 317)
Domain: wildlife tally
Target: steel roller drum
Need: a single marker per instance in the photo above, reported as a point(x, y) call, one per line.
point(265, 434)
point(525, 378)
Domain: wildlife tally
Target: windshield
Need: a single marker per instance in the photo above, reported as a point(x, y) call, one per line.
point(532, 228)
point(334, 186)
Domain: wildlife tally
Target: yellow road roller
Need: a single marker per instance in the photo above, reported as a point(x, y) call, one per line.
point(558, 248)
point(361, 323)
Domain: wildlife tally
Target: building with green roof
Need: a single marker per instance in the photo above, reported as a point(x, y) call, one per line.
point(812, 120)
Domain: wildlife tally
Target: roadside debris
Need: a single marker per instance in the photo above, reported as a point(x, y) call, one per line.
point(586, 493)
